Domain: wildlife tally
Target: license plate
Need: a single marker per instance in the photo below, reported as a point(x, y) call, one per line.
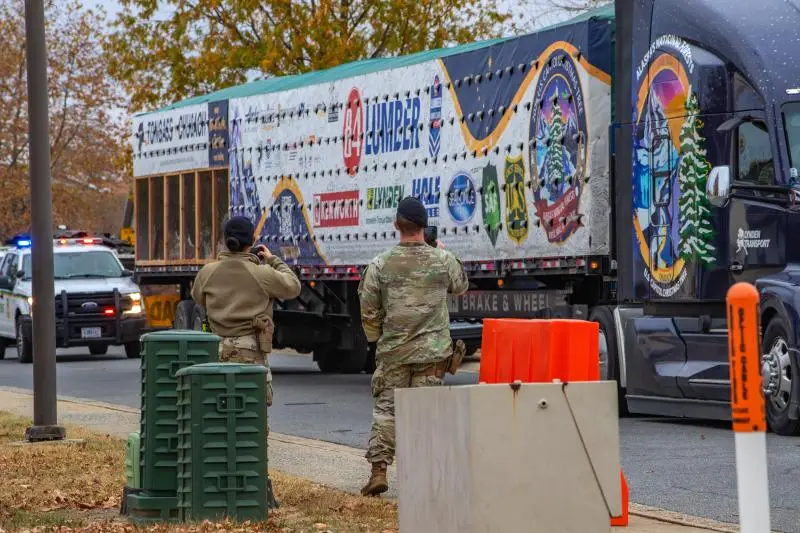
point(91, 333)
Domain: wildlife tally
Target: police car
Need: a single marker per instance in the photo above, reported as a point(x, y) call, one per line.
point(97, 303)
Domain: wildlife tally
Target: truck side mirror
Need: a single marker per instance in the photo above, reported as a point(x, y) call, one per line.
point(718, 185)
point(127, 273)
point(20, 274)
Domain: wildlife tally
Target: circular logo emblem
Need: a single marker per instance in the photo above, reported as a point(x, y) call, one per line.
point(558, 157)
point(658, 163)
point(461, 198)
point(352, 131)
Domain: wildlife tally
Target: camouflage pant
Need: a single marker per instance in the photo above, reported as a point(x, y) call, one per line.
point(245, 350)
point(385, 380)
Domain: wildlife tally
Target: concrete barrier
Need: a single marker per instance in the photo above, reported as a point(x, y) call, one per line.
point(538, 457)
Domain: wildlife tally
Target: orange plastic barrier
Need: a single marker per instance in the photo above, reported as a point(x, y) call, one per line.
point(622, 521)
point(536, 351)
point(539, 351)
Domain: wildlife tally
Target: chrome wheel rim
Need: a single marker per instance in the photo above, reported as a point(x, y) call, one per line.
point(603, 351)
point(776, 374)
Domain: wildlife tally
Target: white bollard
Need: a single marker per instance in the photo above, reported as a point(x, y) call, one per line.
point(747, 407)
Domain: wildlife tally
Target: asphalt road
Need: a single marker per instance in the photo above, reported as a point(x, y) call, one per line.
point(684, 466)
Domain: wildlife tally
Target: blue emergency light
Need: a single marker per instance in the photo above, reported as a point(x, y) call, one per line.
point(23, 243)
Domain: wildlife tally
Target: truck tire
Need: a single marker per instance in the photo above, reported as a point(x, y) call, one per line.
point(183, 315)
point(779, 362)
point(98, 349)
point(132, 350)
point(24, 345)
point(334, 360)
point(4, 344)
point(198, 316)
point(609, 344)
point(472, 348)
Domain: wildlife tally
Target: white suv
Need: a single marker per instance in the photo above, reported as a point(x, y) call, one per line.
point(97, 303)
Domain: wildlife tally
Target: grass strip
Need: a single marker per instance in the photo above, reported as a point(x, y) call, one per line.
point(77, 487)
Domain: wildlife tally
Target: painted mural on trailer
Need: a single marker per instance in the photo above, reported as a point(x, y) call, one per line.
point(672, 219)
point(559, 148)
point(499, 143)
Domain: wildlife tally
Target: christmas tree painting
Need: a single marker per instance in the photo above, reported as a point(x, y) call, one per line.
point(696, 229)
point(555, 152)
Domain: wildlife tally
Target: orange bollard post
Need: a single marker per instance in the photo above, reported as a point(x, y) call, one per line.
point(622, 520)
point(747, 408)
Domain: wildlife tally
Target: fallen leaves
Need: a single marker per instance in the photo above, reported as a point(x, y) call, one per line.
point(62, 488)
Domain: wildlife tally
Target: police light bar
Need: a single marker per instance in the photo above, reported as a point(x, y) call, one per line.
point(23, 243)
point(82, 240)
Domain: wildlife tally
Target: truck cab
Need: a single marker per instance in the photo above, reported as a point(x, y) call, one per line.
point(97, 302)
point(708, 132)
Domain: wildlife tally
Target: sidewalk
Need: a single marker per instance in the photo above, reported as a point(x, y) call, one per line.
point(329, 464)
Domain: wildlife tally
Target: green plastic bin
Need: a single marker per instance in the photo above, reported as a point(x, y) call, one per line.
point(164, 353)
point(144, 509)
point(222, 448)
point(133, 467)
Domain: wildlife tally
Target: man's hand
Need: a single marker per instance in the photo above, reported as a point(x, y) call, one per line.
point(439, 244)
point(263, 252)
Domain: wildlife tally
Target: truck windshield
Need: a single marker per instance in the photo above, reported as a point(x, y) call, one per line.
point(791, 121)
point(71, 265)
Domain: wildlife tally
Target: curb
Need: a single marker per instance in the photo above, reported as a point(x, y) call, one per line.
point(635, 509)
point(680, 519)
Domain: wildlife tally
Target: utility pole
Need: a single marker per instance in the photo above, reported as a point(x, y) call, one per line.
point(45, 411)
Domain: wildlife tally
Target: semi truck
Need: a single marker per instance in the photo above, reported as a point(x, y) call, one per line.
point(625, 167)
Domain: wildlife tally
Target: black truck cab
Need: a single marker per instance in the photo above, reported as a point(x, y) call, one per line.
point(707, 127)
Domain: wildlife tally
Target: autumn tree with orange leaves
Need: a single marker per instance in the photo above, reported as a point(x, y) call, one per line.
point(87, 139)
point(166, 50)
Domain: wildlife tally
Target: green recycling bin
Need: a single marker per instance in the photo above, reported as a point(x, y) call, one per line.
point(164, 353)
point(222, 444)
point(133, 467)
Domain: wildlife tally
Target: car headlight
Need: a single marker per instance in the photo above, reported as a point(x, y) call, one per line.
point(136, 304)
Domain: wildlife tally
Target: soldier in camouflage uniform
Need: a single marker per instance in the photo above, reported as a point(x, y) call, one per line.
point(403, 295)
point(237, 292)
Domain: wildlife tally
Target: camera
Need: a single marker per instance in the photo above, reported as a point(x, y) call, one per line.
point(254, 250)
point(431, 235)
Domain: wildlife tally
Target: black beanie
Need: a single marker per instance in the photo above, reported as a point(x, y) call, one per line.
point(413, 210)
point(241, 229)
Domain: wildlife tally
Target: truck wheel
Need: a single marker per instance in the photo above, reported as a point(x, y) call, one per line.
point(779, 371)
point(198, 316)
point(24, 345)
point(333, 361)
point(98, 349)
point(132, 350)
point(609, 353)
point(472, 347)
point(183, 315)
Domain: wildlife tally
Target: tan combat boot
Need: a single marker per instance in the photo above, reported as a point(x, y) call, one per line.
point(377, 483)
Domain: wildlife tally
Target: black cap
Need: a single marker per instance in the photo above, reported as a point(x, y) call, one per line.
point(413, 210)
point(240, 228)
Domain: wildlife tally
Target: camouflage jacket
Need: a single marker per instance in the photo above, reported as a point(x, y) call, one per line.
point(403, 296)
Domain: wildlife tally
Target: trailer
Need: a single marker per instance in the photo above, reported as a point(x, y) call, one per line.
point(624, 167)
